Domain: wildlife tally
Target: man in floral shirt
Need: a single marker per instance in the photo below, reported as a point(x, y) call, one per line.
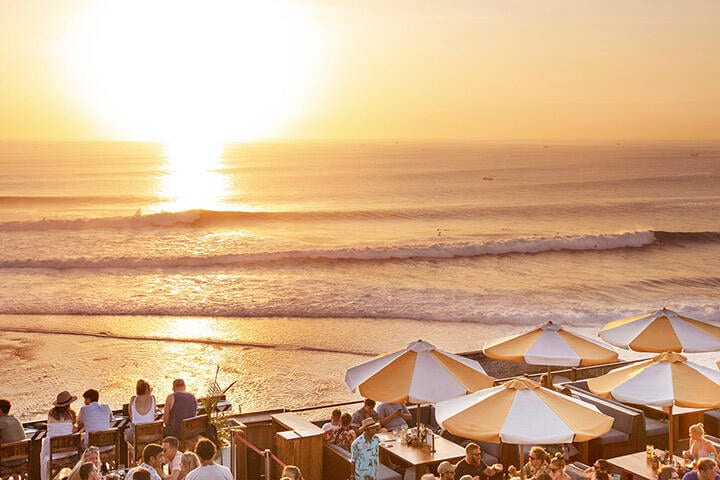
point(365, 451)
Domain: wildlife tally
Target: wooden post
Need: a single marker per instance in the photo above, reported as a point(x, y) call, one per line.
point(267, 464)
point(549, 373)
point(671, 430)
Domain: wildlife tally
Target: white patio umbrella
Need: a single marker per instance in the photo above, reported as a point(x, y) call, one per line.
point(522, 412)
point(662, 331)
point(664, 381)
point(550, 345)
point(419, 373)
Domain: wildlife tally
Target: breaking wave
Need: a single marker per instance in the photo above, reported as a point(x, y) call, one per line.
point(434, 251)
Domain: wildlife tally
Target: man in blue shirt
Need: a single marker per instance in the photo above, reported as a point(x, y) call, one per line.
point(706, 470)
point(393, 415)
point(93, 416)
point(365, 451)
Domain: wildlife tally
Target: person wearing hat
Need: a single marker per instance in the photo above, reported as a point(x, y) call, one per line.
point(446, 470)
point(365, 450)
point(61, 421)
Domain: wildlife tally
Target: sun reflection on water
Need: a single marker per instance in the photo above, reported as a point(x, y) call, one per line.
point(193, 179)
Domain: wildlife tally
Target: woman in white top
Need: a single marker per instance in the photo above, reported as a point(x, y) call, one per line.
point(142, 408)
point(61, 421)
point(699, 445)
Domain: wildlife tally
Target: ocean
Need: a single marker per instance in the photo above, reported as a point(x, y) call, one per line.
point(287, 263)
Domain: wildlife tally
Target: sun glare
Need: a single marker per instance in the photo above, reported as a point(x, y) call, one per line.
point(214, 71)
point(192, 179)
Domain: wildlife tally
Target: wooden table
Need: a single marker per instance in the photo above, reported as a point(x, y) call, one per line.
point(420, 458)
point(636, 466)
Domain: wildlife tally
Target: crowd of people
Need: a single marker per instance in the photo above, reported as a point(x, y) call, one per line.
point(357, 433)
point(543, 466)
point(164, 461)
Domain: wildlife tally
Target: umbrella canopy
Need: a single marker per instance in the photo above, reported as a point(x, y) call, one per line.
point(665, 381)
point(550, 344)
point(521, 411)
point(662, 331)
point(419, 373)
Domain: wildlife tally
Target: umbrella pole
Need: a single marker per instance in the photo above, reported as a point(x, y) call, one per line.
point(549, 374)
point(521, 456)
point(670, 430)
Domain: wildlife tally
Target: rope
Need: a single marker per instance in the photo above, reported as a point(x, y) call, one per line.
point(258, 451)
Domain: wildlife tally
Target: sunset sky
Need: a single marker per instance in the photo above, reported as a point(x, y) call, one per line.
point(360, 69)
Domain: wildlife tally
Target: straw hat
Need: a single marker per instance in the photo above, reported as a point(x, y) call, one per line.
point(369, 423)
point(64, 399)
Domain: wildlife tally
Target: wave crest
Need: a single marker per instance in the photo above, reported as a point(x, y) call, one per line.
point(435, 251)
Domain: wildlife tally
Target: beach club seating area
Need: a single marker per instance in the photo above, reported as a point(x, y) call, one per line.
point(296, 440)
point(426, 410)
point(299, 441)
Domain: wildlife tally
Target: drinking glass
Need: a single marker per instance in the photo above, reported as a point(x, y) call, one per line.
point(649, 450)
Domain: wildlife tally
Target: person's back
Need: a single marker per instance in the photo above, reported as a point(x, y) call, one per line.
point(179, 405)
point(208, 469)
point(11, 430)
point(141, 407)
point(210, 472)
point(142, 404)
point(93, 416)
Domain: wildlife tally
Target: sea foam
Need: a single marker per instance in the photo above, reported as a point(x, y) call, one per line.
point(440, 250)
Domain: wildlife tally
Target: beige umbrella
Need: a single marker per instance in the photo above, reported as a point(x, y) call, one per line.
point(662, 331)
point(664, 381)
point(520, 411)
point(419, 373)
point(550, 345)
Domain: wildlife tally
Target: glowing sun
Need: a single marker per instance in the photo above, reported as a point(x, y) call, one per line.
point(214, 71)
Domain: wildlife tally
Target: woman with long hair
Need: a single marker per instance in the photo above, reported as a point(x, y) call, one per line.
point(699, 445)
point(141, 408)
point(61, 421)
